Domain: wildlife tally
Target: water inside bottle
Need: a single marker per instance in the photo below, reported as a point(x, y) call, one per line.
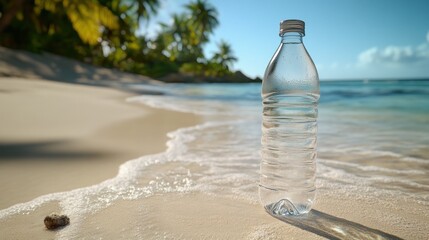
point(289, 138)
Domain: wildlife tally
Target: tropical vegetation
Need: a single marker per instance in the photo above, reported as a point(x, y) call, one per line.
point(103, 33)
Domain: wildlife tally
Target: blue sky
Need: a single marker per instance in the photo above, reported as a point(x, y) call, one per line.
point(346, 39)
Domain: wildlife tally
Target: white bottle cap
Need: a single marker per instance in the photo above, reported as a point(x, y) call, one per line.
point(292, 25)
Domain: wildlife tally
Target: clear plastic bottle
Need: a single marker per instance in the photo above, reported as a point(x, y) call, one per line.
point(290, 93)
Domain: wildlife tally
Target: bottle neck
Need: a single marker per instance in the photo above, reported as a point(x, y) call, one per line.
point(292, 37)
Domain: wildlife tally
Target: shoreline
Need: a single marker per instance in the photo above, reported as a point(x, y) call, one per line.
point(57, 137)
point(151, 197)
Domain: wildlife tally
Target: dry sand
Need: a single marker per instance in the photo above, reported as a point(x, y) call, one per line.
point(57, 136)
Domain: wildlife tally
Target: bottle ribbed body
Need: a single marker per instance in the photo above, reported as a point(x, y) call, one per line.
point(290, 93)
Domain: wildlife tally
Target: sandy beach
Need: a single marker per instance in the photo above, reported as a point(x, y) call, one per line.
point(67, 148)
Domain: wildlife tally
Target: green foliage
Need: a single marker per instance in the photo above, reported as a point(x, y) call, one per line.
point(205, 69)
point(86, 17)
point(224, 56)
point(183, 41)
point(203, 18)
point(103, 32)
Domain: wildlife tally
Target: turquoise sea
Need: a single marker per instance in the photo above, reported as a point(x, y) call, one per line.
point(373, 135)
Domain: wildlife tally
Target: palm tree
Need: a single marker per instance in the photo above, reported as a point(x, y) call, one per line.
point(203, 18)
point(174, 37)
point(87, 17)
point(224, 56)
point(8, 10)
point(132, 10)
point(146, 8)
point(179, 40)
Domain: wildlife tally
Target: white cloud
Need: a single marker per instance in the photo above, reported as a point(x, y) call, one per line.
point(367, 56)
point(394, 54)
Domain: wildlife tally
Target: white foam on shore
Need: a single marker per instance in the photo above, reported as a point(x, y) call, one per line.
point(376, 153)
point(246, 140)
point(345, 181)
point(208, 107)
point(372, 168)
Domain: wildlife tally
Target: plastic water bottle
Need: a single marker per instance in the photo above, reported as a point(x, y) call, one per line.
point(290, 93)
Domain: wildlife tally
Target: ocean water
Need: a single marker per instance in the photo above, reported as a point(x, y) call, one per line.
point(373, 141)
point(373, 135)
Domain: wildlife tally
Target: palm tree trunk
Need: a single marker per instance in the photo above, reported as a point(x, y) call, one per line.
point(10, 13)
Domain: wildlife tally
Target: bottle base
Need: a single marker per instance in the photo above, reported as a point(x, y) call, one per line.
point(285, 207)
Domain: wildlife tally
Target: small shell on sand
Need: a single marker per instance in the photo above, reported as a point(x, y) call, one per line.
point(54, 221)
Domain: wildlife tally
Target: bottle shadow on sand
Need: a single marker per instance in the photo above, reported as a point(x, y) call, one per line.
point(332, 227)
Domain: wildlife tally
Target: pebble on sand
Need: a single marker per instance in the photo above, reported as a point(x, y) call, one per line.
point(54, 221)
